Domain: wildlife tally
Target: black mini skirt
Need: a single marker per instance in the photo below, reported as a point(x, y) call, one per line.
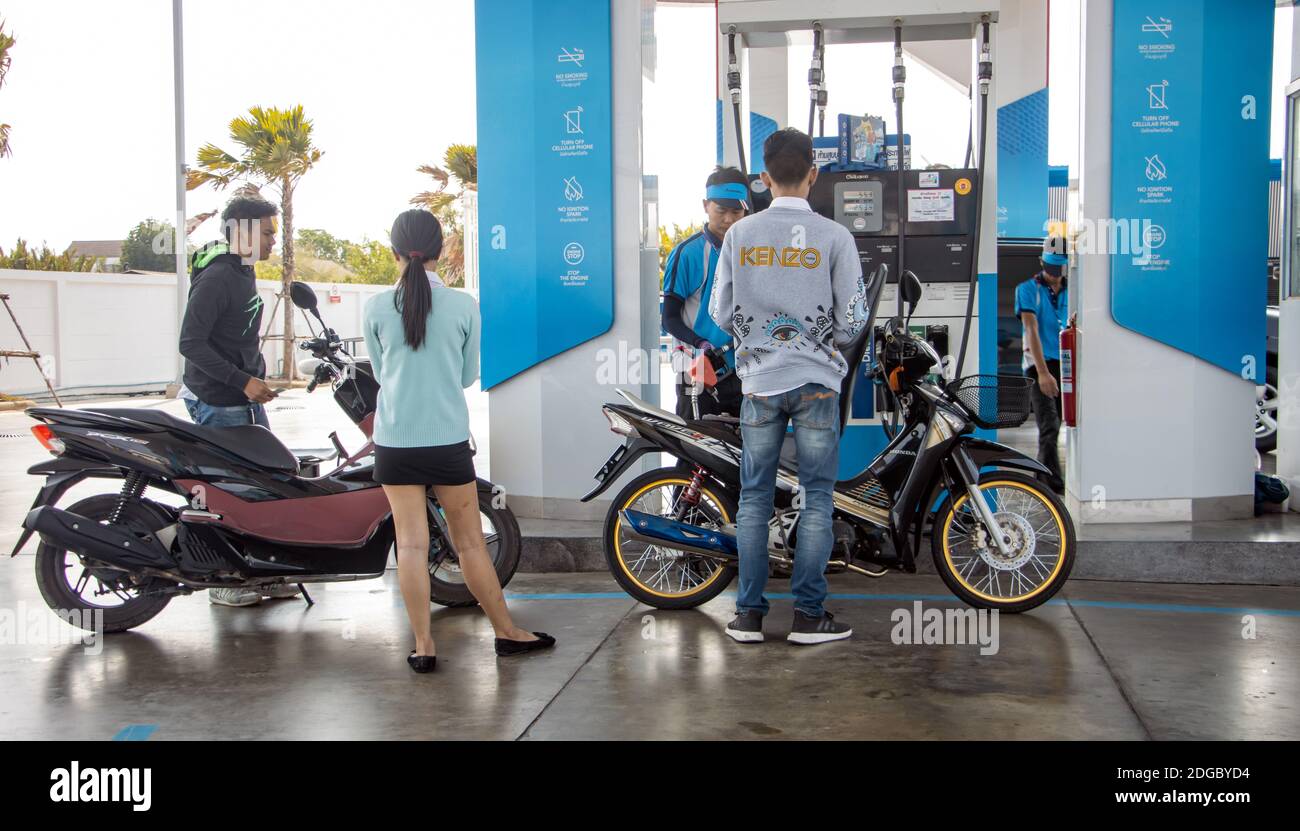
point(443, 464)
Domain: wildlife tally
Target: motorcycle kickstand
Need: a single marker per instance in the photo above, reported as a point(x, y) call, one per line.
point(306, 596)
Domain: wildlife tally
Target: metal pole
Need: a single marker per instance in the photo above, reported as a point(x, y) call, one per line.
point(178, 96)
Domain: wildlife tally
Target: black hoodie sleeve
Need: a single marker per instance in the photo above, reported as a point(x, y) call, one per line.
point(209, 299)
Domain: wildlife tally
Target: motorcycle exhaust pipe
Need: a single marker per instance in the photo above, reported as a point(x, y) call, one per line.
point(679, 536)
point(706, 542)
point(857, 569)
point(114, 545)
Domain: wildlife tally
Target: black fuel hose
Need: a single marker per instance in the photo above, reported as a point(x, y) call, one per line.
point(900, 78)
point(985, 76)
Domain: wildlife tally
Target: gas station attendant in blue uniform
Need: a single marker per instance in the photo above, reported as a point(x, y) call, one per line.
point(688, 288)
point(1042, 306)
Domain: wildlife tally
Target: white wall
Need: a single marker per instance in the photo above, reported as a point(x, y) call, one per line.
point(116, 331)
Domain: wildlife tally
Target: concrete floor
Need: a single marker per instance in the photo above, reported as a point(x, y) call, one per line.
point(1103, 660)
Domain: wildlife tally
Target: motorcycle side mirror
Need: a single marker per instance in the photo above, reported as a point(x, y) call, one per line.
point(303, 296)
point(910, 288)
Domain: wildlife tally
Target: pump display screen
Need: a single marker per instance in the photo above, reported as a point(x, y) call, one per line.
point(859, 202)
point(858, 206)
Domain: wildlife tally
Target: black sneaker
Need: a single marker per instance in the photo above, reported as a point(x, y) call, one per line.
point(808, 629)
point(747, 627)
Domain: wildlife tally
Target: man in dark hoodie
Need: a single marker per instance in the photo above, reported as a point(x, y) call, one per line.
point(221, 333)
point(221, 338)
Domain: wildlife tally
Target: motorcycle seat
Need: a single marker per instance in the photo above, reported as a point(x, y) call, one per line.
point(252, 443)
point(728, 430)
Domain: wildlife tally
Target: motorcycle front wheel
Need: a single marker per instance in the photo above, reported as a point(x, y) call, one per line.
point(501, 535)
point(662, 577)
point(1040, 555)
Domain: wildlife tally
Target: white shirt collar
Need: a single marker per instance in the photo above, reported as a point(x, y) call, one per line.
point(434, 279)
point(793, 202)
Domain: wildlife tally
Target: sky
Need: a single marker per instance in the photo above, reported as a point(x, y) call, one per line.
point(389, 84)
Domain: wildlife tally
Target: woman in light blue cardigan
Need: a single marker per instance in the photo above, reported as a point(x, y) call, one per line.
point(423, 342)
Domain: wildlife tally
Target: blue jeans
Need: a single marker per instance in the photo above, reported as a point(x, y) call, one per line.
point(240, 414)
point(815, 411)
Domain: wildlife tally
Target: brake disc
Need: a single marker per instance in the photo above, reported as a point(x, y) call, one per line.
point(1019, 549)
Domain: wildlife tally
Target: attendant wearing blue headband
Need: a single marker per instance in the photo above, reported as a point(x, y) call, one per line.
point(688, 290)
point(1043, 307)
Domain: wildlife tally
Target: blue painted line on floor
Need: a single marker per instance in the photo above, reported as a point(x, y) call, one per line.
point(135, 733)
point(1181, 609)
point(1175, 608)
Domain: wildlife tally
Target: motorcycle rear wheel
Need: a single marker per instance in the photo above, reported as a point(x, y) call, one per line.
point(501, 534)
point(648, 575)
point(73, 587)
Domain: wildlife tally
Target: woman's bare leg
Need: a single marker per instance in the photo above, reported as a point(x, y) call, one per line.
point(460, 505)
point(411, 517)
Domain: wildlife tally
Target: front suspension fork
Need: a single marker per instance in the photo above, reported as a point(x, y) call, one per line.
point(968, 476)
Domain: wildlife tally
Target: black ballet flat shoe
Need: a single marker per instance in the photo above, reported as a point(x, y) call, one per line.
point(507, 647)
point(422, 663)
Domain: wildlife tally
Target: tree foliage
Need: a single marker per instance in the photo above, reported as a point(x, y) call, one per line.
point(667, 242)
point(27, 258)
point(149, 247)
point(7, 42)
point(461, 162)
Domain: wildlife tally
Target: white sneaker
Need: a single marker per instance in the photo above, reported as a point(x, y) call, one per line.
point(281, 592)
point(234, 597)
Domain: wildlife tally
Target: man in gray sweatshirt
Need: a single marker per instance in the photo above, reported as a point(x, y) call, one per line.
point(789, 289)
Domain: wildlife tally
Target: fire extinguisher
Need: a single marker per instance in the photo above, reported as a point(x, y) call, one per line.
point(1069, 373)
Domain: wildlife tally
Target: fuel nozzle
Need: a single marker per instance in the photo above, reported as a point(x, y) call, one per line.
point(900, 71)
point(733, 67)
point(985, 74)
point(816, 77)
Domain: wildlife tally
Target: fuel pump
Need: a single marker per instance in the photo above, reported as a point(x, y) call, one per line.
point(927, 222)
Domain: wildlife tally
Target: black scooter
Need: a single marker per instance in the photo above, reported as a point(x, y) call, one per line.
point(256, 514)
point(999, 538)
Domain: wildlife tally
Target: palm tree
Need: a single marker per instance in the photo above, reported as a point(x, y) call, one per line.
point(6, 43)
point(276, 149)
point(462, 165)
point(462, 162)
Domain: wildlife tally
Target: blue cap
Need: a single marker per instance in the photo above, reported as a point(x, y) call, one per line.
point(1054, 251)
point(728, 195)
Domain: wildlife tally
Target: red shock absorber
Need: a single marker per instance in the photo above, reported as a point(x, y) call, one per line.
point(692, 495)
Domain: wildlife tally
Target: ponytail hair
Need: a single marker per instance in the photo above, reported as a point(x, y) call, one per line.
point(417, 236)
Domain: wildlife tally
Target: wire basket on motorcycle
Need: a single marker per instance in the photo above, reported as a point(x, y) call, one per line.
point(994, 401)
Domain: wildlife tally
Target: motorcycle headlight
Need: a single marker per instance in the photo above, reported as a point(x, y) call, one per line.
point(618, 424)
point(944, 426)
point(955, 422)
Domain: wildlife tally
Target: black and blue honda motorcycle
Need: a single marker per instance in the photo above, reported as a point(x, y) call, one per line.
point(1000, 539)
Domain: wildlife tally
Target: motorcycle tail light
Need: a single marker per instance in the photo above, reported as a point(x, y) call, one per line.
point(618, 424)
point(48, 440)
